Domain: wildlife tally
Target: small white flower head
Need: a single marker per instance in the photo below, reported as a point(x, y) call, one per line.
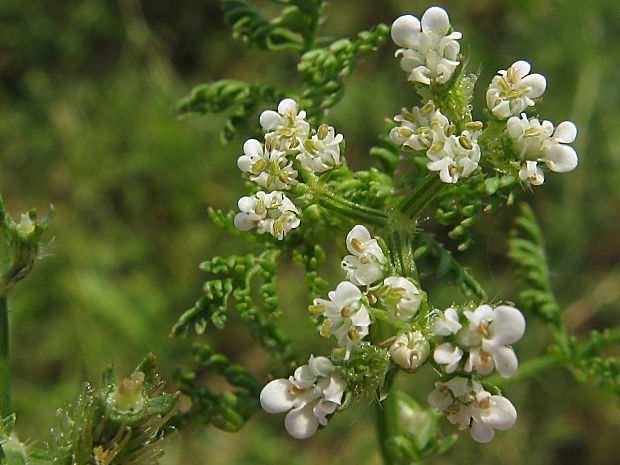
point(454, 156)
point(288, 126)
point(410, 349)
point(267, 166)
point(430, 52)
point(469, 406)
point(365, 264)
point(512, 90)
point(313, 392)
point(321, 152)
point(346, 316)
point(273, 213)
point(418, 127)
point(539, 142)
point(449, 355)
point(447, 323)
point(400, 298)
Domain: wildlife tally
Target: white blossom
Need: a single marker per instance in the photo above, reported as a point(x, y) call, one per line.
point(400, 298)
point(454, 156)
point(346, 315)
point(467, 405)
point(485, 338)
point(419, 127)
point(430, 50)
point(309, 395)
point(273, 213)
point(321, 152)
point(287, 126)
point(447, 323)
point(539, 142)
point(512, 90)
point(267, 166)
point(365, 264)
point(410, 349)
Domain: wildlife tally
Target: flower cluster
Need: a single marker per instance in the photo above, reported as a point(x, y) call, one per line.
point(469, 406)
point(430, 55)
point(290, 147)
point(427, 130)
point(309, 395)
point(430, 52)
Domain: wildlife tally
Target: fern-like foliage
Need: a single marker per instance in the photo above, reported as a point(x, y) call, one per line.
point(227, 410)
point(529, 262)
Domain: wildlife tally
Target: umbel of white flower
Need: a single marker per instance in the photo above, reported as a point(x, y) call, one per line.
point(266, 165)
point(512, 90)
point(272, 212)
point(347, 317)
point(400, 298)
point(485, 338)
point(322, 151)
point(427, 129)
point(469, 406)
point(430, 51)
point(287, 126)
point(365, 264)
point(313, 392)
point(538, 142)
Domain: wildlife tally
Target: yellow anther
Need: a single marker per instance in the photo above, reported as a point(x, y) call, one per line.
point(325, 328)
point(427, 109)
point(258, 166)
point(278, 228)
point(310, 146)
point(346, 311)
point(449, 130)
point(532, 132)
point(317, 309)
point(465, 142)
point(474, 125)
point(322, 132)
point(353, 335)
point(295, 390)
point(504, 83)
point(408, 116)
point(517, 93)
point(260, 207)
point(364, 260)
point(357, 245)
point(282, 176)
point(482, 328)
point(404, 132)
point(485, 403)
point(437, 147)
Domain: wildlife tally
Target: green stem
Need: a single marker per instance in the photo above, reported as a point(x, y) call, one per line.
point(413, 204)
point(5, 386)
point(352, 210)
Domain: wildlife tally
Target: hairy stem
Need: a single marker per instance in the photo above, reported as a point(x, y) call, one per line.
point(352, 210)
point(414, 202)
point(5, 387)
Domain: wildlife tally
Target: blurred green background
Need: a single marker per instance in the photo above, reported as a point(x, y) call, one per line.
point(86, 92)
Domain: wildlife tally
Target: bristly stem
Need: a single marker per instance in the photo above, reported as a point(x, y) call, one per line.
point(5, 378)
point(414, 202)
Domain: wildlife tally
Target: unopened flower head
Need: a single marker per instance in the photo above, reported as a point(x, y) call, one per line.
point(400, 298)
point(309, 395)
point(430, 51)
point(346, 316)
point(410, 349)
point(365, 264)
point(512, 90)
point(469, 406)
point(539, 142)
point(321, 152)
point(128, 396)
point(272, 212)
point(267, 166)
point(485, 338)
point(287, 126)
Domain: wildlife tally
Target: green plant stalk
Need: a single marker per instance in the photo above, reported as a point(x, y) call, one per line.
point(5, 378)
point(352, 210)
point(414, 203)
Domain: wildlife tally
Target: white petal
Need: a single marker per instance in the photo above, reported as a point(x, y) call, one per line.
point(244, 222)
point(449, 355)
point(500, 415)
point(288, 106)
point(276, 396)
point(561, 158)
point(508, 325)
point(406, 31)
point(521, 68)
point(481, 432)
point(360, 233)
point(322, 409)
point(537, 84)
point(459, 386)
point(566, 132)
point(322, 366)
point(440, 399)
point(301, 423)
point(505, 359)
point(270, 119)
point(346, 291)
point(335, 390)
point(435, 19)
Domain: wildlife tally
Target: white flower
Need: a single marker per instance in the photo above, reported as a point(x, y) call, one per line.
point(273, 213)
point(287, 126)
point(485, 339)
point(267, 166)
point(365, 265)
point(469, 406)
point(511, 91)
point(538, 142)
point(430, 50)
point(447, 323)
point(313, 392)
point(454, 156)
point(321, 152)
point(400, 297)
point(419, 127)
point(346, 315)
point(410, 349)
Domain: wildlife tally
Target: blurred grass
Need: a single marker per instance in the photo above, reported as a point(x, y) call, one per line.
point(86, 91)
